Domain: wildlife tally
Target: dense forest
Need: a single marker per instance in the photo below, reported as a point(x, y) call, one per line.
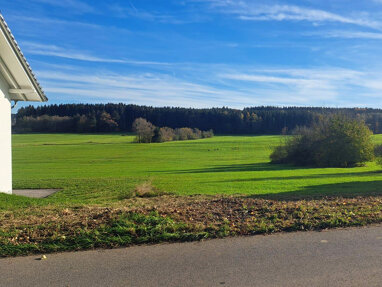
point(89, 118)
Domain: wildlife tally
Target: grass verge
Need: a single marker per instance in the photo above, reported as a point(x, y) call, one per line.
point(172, 218)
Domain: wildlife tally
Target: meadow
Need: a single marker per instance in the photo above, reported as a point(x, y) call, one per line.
point(222, 186)
point(106, 168)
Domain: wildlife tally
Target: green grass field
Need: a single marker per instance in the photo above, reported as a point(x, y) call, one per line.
point(98, 174)
point(105, 168)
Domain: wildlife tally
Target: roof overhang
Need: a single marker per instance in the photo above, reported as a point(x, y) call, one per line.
point(16, 70)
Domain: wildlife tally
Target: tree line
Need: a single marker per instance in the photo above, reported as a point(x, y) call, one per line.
point(93, 118)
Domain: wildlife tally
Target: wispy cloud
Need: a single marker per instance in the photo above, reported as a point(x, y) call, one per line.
point(218, 85)
point(76, 6)
point(55, 51)
point(296, 77)
point(46, 21)
point(351, 35)
point(186, 15)
point(132, 11)
point(315, 86)
point(251, 11)
point(149, 89)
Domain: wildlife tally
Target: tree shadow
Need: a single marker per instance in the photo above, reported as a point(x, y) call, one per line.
point(264, 166)
point(343, 190)
point(314, 176)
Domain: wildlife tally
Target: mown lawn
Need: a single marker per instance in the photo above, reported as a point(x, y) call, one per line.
point(104, 168)
point(216, 187)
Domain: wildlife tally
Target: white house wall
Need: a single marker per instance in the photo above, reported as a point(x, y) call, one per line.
point(5, 139)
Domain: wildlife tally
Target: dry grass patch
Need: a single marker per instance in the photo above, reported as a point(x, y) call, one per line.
point(147, 189)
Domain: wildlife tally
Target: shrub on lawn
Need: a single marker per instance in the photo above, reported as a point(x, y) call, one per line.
point(378, 153)
point(334, 142)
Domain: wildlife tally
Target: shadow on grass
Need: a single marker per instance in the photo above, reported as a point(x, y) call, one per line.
point(264, 166)
point(314, 176)
point(345, 190)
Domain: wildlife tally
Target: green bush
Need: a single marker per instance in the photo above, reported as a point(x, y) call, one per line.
point(378, 153)
point(334, 142)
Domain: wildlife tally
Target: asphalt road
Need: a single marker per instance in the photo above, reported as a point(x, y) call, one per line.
point(349, 257)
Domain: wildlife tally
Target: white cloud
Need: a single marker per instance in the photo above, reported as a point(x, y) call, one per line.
point(76, 6)
point(129, 10)
point(46, 22)
point(328, 86)
point(272, 79)
point(52, 50)
point(295, 76)
point(218, 85)
point(352, 35)
point(146, 89)
point(251, 11)
point(55, 51)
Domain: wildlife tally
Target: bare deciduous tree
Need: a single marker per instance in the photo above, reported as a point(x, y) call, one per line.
point(144, 130)
point(166, 134)
point(148, 133)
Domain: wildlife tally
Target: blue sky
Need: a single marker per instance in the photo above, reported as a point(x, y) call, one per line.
point(203, 53)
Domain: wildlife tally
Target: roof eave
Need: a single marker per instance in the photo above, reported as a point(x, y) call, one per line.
point(13, 43)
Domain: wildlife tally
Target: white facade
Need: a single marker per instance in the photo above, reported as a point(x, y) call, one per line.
point(5, 140)
point(17, 83)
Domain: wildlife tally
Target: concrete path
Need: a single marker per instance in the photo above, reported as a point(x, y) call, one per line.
point(35, 193)
point(349, 257)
